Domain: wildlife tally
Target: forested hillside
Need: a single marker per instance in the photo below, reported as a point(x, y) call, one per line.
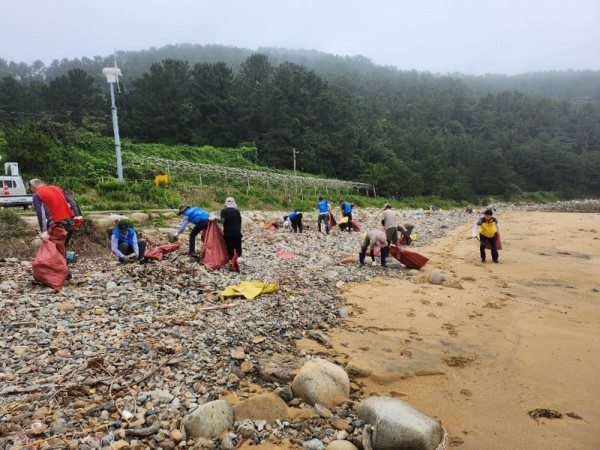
point(409, 133)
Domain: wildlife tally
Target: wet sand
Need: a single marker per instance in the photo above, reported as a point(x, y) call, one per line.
point(520, 335)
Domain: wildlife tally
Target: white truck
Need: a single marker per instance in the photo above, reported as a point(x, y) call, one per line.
point(12, 189)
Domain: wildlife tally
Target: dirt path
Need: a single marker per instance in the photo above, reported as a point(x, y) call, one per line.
point(521, 335)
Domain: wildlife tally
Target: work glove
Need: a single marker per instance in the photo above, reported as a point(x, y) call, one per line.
point(45, 235)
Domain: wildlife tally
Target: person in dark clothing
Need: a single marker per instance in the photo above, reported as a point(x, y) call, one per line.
point(199, 218)
point(125, 244)
point(295, 219)
point(53, 206)
point(232, 229)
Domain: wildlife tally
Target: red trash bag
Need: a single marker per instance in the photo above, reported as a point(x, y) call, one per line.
point(498, 243)
point(158, 253)
point(355, 226)
point(214, 250)
point(332, 222)
point(412, 260)
point(50, 266)
point(58, 235)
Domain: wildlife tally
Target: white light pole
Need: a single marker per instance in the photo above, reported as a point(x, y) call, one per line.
point(112, 75)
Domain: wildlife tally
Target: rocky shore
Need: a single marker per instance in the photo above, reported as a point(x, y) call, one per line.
point(128, 356)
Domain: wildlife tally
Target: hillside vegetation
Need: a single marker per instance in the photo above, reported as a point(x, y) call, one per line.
point(410, 134)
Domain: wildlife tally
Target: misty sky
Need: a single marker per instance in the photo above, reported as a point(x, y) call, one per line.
point(440, 36)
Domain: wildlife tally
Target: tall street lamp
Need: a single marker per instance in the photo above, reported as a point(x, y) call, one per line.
point(112, 75)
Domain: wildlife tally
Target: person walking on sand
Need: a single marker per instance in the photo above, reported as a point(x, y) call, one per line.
point(372, 239)
point(488, 228)
point(232, 231)
point(324, 208)
point(196, 216)
point(390, 224)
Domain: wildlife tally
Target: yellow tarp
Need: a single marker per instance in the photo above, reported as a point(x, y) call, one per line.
point(249, 289)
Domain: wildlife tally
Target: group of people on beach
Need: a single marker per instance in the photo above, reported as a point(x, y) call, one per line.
point(54, 207)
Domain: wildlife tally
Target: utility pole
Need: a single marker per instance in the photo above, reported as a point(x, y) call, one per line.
point(112, 76)
point(294, 153)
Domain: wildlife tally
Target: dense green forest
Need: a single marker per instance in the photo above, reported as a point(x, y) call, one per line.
point(409, 133)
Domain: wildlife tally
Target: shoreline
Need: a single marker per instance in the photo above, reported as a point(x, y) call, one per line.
point(514, 337)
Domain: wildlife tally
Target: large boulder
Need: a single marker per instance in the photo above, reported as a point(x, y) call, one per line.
point(269, 407)
point(209, 420)
point(320, 381)
point(397, 425)
point(341, 445)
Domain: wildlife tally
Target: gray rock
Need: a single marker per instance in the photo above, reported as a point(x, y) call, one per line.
point(313, 444)
point(397, 425)
point(209, 420)
point(157, 397)
point(320, 381)
point(59, 426)
point(436, 278)
point(111, 286)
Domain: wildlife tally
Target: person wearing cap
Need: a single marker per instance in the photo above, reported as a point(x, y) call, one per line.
point(346, 212)
point(488, 227)
point(232, 230)
point(196, 216)
point(324, 208)
point(125, 244)
point(390, 223)
point(54, 206)
point(295, 220)
point(374, 238)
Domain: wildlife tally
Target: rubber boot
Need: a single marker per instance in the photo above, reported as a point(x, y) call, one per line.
point(361, 259)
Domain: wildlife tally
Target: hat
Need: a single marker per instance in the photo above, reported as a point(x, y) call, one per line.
point(386, 206)
point(122, 224)
point(182, 209)
point(230, 202)
point(488, 212)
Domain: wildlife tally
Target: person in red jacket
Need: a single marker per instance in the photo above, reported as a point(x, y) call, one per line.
point(53, 206)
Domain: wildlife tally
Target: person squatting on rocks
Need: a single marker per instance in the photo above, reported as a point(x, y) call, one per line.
point(232, 230)
point(488, 227)
point(54, 206)
point(406, 230)
point(196, 216)
point(125, 244)
point(295, 220)
point(324, 207)
point(346, 212)
point(390, 223)
point(372, 239)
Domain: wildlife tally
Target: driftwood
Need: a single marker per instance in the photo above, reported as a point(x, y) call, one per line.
point(141, 432)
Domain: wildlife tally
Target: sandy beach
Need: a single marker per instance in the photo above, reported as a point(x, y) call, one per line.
point(518, 336)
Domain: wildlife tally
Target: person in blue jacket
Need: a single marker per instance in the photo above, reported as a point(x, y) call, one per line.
point(347, 212)
point(295, 219)
point(324, 207)
point(196, 216)
point(125, 244)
